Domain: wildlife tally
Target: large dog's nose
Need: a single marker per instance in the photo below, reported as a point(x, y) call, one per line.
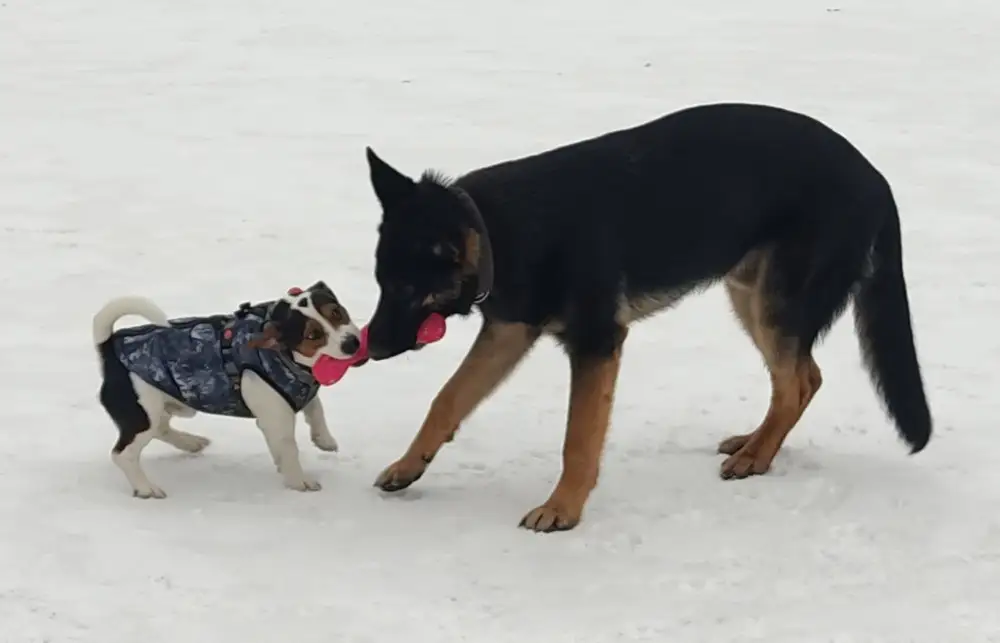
point(350, 345)
point(377, 352)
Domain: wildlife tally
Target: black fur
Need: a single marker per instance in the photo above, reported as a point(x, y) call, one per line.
point(882, 318)
point(290, 325)
point(119, 399)
point(660, 210)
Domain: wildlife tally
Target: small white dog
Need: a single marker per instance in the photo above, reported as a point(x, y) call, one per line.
point(254, 363)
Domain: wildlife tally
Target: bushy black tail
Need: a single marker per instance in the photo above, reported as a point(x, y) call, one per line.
point(882, 318)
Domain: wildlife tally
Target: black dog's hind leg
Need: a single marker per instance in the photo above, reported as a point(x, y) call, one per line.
point(784, 300)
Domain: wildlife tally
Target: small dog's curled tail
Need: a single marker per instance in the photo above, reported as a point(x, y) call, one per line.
point(104, 320)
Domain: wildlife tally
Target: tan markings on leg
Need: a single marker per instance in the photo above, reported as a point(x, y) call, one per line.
point(795, 378)
point(498, 348)
point(742, 282)
point(790, 395)
point(814, 377)
point(592, 393)
point(733, 443)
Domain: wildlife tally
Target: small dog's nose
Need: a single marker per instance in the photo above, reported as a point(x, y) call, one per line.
point(350, 345)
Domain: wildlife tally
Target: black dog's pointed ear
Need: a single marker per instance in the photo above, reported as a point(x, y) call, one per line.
point(390, 185)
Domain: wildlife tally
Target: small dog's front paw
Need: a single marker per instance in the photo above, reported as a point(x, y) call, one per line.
point(303, 484)
point(195, 444)
point(152, 491)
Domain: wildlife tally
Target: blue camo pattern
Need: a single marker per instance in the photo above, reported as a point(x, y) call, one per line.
point(187, 362)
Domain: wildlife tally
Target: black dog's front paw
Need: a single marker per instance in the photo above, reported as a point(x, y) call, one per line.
point(400, 475)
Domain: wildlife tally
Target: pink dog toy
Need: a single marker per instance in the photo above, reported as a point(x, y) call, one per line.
point(329, 370)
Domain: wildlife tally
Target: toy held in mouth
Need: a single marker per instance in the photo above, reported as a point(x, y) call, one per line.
point(329, 370)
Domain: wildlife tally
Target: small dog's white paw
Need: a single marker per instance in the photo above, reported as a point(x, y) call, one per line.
point(303, 484)
point(152, 491)
point(184, 441)
point(325, 442)
point(194, 443)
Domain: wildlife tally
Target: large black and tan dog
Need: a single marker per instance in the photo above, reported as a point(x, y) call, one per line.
point(580, 241)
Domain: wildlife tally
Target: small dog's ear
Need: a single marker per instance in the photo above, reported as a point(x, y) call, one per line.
point(280, 310)
point(321, 285)
point(267, 339)
point(391, 186)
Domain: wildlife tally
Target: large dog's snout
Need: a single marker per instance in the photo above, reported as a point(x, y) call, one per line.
point(378, 351)
point(392, 329)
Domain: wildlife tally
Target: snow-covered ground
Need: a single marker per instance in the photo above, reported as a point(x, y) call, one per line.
point(207, 153)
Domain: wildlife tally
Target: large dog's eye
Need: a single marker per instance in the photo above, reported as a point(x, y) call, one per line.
point(446, 251)
point(314, 335)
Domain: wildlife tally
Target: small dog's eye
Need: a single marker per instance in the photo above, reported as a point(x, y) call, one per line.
point(314, 335)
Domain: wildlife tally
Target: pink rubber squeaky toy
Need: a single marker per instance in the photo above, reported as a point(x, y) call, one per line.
point(329, 370)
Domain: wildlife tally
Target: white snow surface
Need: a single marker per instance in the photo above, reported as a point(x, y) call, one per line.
point(208, 153)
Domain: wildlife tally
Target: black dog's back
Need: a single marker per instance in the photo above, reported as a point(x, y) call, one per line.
point(733, 173)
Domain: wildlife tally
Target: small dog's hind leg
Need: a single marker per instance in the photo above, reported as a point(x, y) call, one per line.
point(177, 409)
point(127, 458)
point(319, 432)
point(127, 451)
